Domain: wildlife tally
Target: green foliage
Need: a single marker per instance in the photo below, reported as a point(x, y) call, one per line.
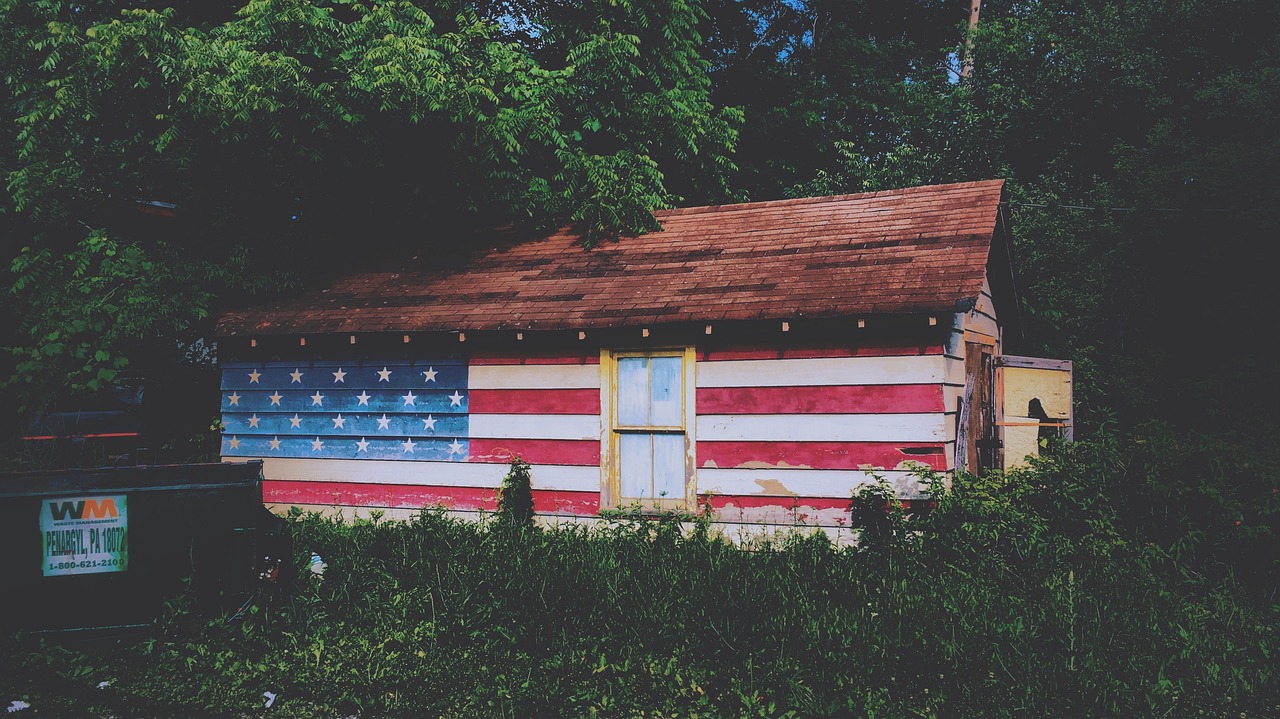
point(89, 309)
point(299, 136)
point(1023, 595)
point(515, 496)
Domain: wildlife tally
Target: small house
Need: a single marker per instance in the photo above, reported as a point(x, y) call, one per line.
point(762, 359)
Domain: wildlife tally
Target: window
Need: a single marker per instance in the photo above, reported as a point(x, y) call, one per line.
point(647, 450)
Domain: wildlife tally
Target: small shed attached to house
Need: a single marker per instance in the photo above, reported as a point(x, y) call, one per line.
point(764, 359)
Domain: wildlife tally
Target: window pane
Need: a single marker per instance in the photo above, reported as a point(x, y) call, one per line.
point(665, 392)
point(633, 391)
point(635, 459)
point(668, 466)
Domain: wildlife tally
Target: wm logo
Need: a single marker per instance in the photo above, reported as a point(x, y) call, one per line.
point(84, 509)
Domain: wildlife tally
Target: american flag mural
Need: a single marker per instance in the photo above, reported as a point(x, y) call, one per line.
point(781, 436)
point(408, 434)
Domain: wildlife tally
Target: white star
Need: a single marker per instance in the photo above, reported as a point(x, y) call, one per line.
point(234, 399)
point(408, 445)
point(275, 443)
point(235, 443)
point(317, 445)
point(339, 421)
point(455, 399)
point(455, 447)
point(430, 375)
point(362, 445)
point(429, 424)
point(409, 398)
point(296, 375)
point(363, 397)
point(275, 398)
point(253, 377)
point(295, 420)
point(317, 398)
point(384, 422)
point(253, 421)
point(384, 375)
point(340, 376)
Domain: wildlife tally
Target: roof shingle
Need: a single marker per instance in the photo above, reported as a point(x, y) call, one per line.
point(920, 249)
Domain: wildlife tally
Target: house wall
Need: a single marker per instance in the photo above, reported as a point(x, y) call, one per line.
point(784, 436)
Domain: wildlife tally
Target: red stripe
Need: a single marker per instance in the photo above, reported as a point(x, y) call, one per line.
point(723, 501)
point(843, 399)
point(354, 494)
point(537, 451)
point(535, 401)
point(817, 455)
point(82, 436)
point(534, 359)
point(751, 353)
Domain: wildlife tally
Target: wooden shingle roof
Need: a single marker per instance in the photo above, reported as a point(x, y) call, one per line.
point(922, 249)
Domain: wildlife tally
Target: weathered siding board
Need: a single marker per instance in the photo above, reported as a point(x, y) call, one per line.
point(928, 427)
point(522, 426)
point(821, 455)
point(535, 401)
point(842, 399)
point(359, 494)
point(543, 376)
point(895, 370)
point(785, 352)
point(536, 451)
point(441, 474)
point(787, 483)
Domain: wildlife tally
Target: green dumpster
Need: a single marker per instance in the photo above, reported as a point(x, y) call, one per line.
point(99, 549)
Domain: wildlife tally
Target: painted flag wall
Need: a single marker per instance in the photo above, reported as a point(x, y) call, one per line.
point(405, 435)
point(781, 436)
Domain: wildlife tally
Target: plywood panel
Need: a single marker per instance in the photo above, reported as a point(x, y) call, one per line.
point(1051, 387)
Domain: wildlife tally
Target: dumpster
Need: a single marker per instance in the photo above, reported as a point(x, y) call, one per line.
point(98, 549)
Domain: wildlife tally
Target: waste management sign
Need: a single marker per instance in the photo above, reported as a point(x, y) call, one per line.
point(84, 535)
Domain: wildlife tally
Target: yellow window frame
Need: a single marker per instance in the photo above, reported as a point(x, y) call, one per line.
point(611, 431)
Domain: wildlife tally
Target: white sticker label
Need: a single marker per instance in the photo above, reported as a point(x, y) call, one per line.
point(84, 535)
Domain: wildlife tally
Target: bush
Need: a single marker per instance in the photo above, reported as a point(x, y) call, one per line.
point(1018, 595)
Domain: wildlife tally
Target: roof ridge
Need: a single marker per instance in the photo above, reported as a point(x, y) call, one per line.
point(792, 201)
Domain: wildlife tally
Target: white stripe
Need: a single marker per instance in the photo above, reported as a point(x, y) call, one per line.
point(534, 376)
point(783, 483)
point(914, 369)
point(954, 372)
point(535, 426)
point(426, 474)
point(823, 427)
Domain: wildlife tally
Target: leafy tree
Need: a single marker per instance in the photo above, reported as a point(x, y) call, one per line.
point(298, 136)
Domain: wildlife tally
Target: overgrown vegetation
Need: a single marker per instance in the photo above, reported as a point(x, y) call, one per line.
point(1026, 595)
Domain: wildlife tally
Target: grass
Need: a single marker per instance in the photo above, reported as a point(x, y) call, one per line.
point(1017, 596)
